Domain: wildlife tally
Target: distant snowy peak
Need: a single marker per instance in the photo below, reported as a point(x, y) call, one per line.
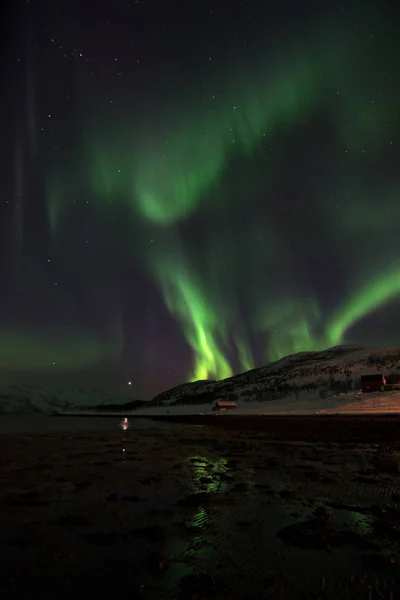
point(53, 400)
point(340, 364)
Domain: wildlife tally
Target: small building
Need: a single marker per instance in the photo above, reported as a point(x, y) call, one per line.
point(224, 405)
point(372, 383)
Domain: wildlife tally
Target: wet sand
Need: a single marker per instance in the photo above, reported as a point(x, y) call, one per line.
point(327, 428)
point(189, 511)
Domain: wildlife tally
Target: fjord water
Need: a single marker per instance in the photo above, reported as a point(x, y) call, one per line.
point(36, 424)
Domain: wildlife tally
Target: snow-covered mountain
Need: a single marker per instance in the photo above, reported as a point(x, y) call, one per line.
point(53, 400)
point(297, 378)
point(324, 372)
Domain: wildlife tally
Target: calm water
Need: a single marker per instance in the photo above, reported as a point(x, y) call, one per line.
point(36, 424)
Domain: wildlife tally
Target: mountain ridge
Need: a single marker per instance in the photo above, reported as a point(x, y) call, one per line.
point(54, 399)
point(321, 373)
point(338, 368)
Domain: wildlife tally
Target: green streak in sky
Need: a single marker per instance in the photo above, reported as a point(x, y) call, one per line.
point(201, 324)
point(37, 350)
point(291, 327)
point(370, 297)
point(246, 360)
point(175, 172)
point(56, 202)
point(170, 180)
point(165, 170)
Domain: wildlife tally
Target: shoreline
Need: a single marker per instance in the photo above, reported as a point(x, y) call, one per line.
point(187, 511)
point(343, 428)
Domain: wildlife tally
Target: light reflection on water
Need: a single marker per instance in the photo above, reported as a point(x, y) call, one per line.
point(124, 424)
point(209, 474)
point(361, 524)
point(42, 424)
point(208, 477)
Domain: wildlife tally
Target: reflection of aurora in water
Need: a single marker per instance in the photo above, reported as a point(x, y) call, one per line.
point(361, 524)
point(196, 543)
point(209, 477)
point(232, 535)
point(208, 474)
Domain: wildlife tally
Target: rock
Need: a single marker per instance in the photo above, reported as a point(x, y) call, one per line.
point(26, 498)
point(268, 581)
point(388, 464)
point(20, 541)
point(362, 479)
point(322, 512)
point(381, 560)
point(386, 512)
point(158, 563)
point(319, 534)
point(42, 467)
point(112, 498)
point(103, 538)
point(196, 586)
point(194, 500)
point(132, 498)
point(149, 481)
point(307, 535)
point(312, 476)
point(68, 520)
point(151, 533)
point(240, 487)
point(328, 479)
point(286, 494)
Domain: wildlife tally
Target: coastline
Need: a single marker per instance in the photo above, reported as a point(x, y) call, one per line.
point(163, 512)
point(345, 427)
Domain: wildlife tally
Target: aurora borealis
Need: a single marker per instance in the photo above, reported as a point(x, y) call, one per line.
point(192, 191)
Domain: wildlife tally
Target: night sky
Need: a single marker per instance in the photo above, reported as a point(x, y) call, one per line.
point(193, 189)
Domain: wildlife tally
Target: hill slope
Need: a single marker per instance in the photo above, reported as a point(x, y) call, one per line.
point(327, 371)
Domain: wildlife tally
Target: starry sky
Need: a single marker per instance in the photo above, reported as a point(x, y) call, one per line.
point(190, 190)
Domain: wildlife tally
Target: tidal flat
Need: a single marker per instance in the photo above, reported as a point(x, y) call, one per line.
point(190, 511)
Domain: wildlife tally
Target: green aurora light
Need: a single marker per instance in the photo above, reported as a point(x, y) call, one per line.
point(36, 350)
point(169, 177)
point(201, 324)
point(374, 294)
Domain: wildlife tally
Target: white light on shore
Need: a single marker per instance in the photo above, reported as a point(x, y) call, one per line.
point(129, 382)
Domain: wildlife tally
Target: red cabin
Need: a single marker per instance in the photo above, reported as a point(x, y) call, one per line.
point(224, 405)
point(372, 383)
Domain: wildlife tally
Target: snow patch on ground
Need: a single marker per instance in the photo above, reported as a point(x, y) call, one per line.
point(379, 402)
point(306, 404)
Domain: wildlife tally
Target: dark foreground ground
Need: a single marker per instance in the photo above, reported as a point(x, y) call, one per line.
point(326, 428)
point(196, 512)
